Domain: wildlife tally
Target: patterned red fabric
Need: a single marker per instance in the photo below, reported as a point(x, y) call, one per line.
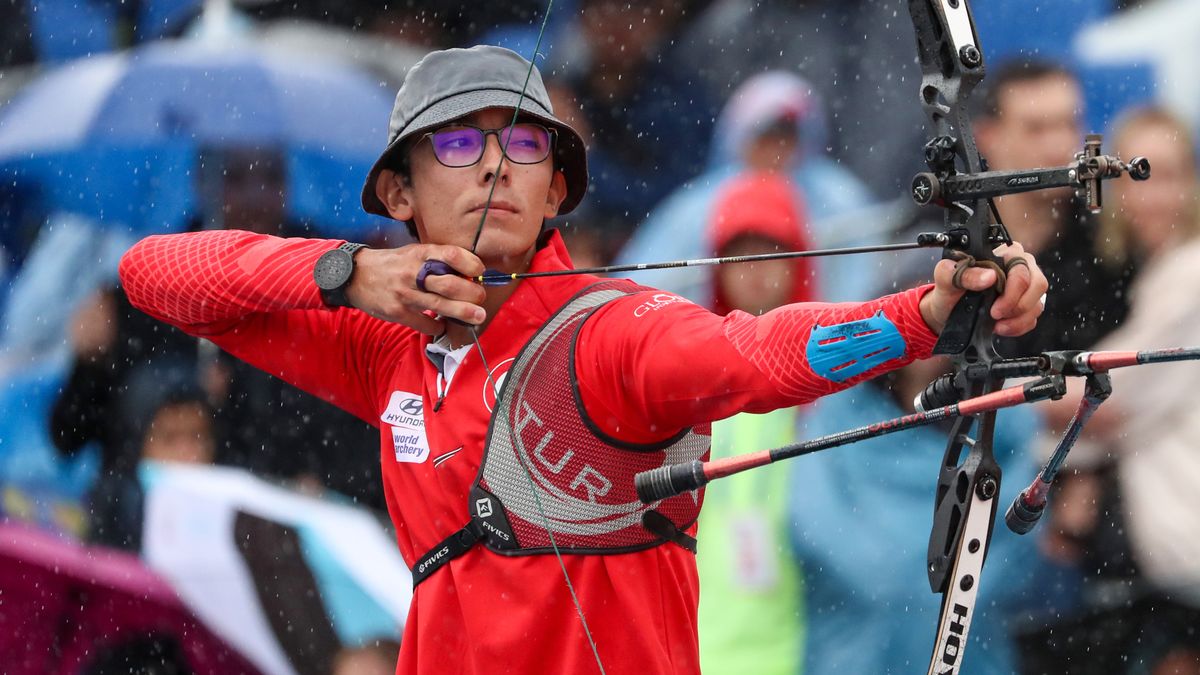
point(161, 270)
point(678, 364)
point(764, 341)
point(648, 365)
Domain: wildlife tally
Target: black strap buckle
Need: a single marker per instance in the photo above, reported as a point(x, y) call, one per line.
point(446, 550)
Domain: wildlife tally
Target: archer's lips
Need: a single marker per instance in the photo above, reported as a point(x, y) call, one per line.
point(495, 206)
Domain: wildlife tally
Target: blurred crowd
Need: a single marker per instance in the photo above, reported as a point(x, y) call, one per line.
point(714, 127)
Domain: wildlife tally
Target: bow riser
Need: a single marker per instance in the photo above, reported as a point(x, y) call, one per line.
point(965, 499)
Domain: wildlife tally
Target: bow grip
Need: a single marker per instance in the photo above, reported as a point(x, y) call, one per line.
point(959, 330)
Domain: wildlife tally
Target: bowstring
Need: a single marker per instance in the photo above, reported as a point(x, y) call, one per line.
point(516, 112)
point(487, 369)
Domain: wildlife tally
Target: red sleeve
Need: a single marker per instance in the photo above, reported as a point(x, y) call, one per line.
point(254, 296)
point(652, 363)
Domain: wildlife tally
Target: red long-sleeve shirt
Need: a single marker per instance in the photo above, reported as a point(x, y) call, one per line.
point(648, 365)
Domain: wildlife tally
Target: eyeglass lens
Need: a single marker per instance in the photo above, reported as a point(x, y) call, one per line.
point(525, 143)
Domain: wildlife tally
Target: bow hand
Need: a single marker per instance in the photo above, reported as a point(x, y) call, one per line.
point(1019, 282)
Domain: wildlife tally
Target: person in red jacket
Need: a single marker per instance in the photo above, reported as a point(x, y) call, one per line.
point(512, 418)
point(760, 212)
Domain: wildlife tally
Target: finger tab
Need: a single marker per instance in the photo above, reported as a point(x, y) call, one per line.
point(432, 267)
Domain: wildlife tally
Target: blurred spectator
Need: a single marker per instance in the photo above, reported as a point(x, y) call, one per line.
point(649, 123)
point(377, 658)
point(1152, 219)
point(265, 424)
point(181, 430)
point(590, 238)
point(70, 258)
point(298, 586)
point(859, 54)
point(124, 368)
point(245, 188)
point(773, 122)
point(1030, 117)
point(1129, 515)
point(860, 519)
point(759, 212)
point(123, 357)
point(790, 554)
point(751, 618)
point(116, 346)
point(178, 427)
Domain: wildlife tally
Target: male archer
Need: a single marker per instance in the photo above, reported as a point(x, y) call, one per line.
point(516, 508)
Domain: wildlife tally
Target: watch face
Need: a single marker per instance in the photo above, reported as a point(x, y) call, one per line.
point(333, 269)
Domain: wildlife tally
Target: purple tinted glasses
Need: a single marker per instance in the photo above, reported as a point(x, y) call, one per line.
point(462, 144)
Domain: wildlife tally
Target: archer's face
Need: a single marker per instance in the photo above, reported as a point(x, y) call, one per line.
point(448, 203)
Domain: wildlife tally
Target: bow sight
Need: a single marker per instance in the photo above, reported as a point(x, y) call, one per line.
point(944, 186)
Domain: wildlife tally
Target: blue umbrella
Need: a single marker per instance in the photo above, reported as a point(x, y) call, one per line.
point(116, 136)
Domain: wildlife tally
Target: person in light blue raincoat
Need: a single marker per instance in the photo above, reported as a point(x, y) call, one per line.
point(861, 517)
point(773, 121)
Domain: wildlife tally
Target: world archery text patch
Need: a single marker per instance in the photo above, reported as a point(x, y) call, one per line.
point(405, 414)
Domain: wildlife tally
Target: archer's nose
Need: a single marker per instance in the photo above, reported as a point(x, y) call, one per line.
point(493, 163)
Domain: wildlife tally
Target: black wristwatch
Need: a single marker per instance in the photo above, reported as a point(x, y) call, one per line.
point(333, 272)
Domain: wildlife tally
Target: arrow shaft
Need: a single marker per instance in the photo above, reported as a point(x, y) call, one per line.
point(925, 240)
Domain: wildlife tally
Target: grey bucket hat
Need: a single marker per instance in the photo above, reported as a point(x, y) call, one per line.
point(449, 84)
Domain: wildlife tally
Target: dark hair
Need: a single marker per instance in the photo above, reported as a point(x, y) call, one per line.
point(1013, 72)
point(177, 396)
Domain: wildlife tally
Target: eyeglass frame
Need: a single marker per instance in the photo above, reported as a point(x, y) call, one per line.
point(550, 131)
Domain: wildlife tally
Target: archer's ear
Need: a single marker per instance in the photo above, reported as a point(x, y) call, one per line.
point(555, 195)
point(395, 194)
